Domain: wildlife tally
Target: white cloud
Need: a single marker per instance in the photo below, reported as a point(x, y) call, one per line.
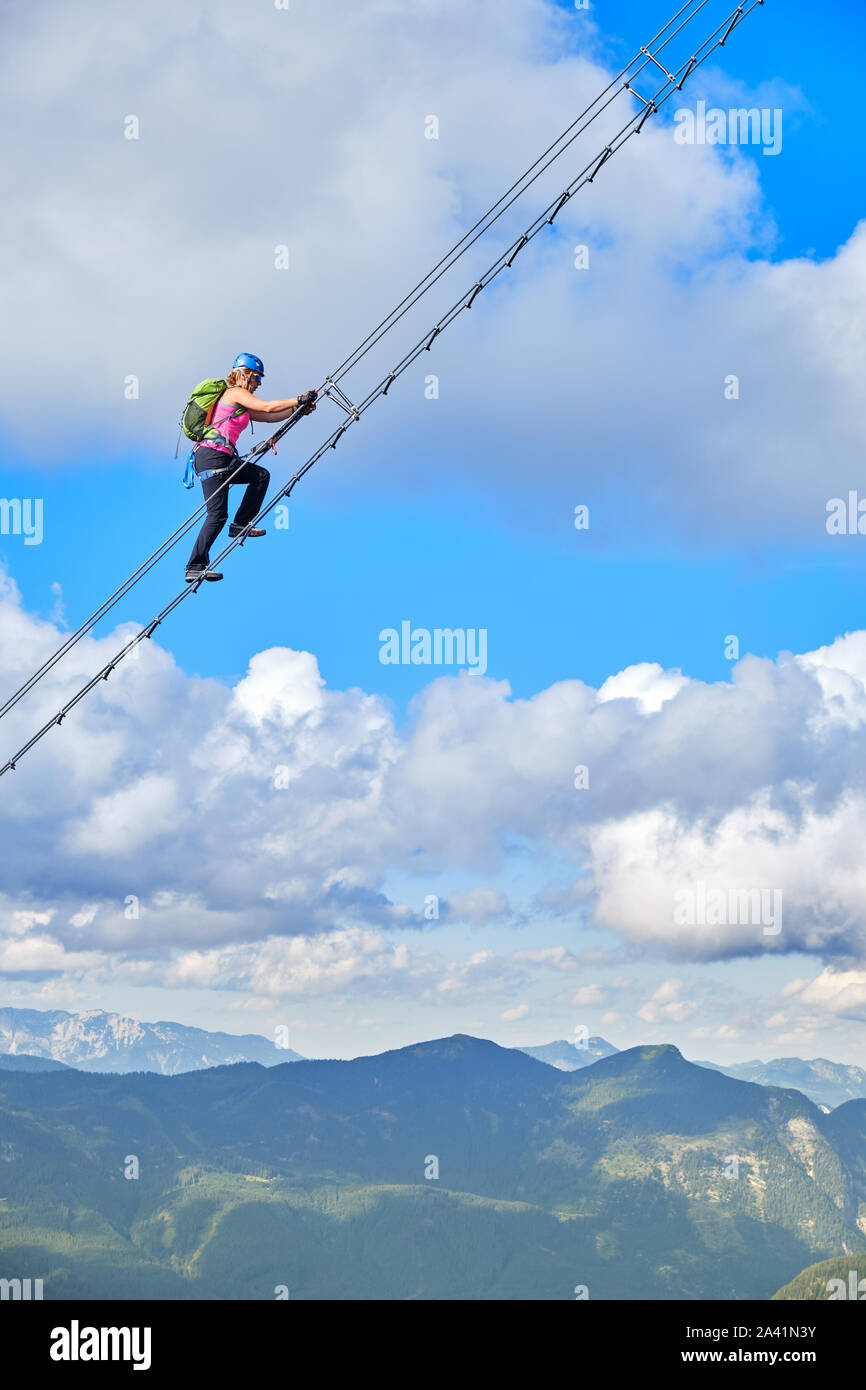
point(36, 955)
point(161, 789)
point(839, 992)
point(297, 966)
point(557, 956)
point(587, 996)
point(85, 916)
point(778, 842)
point(647, 683)
point(512, 1015)
point(665, 1005)
point(124, 821)
point(22, 922)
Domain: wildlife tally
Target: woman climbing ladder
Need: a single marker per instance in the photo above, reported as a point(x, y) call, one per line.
point(217, 456)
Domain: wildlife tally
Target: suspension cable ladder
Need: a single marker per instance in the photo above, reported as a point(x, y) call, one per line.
point(330, 387)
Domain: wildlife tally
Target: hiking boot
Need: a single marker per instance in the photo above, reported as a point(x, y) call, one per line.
point(211, 575)
point(235, 530)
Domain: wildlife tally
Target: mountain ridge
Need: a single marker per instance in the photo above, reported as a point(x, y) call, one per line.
point(614, 1175)
point(28, 1061)
point(826, 1082)
point(98, 1041)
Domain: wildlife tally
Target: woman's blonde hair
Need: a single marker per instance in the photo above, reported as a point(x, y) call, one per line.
point(241, 376)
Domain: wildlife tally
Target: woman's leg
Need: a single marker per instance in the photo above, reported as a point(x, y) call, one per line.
point(217, 498)
point(256, 479)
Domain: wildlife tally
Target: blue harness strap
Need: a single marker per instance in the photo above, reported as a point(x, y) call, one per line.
point(212, 472)
point(190, 474)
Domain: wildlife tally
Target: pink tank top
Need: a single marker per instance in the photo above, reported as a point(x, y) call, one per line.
point(230, 427)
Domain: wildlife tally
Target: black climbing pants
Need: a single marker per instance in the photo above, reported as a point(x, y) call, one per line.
point(216, 495)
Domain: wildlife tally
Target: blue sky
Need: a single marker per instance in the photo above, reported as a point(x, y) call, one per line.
point(814, 188)
point(458, 512)
point(351, 565)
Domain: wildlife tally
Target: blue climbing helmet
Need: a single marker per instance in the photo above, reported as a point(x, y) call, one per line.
point(249, 360)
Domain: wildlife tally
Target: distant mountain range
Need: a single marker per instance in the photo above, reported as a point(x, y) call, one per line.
point(568, 1056)
point(454, 1169)
point(97, 1041)
point(826, 1083)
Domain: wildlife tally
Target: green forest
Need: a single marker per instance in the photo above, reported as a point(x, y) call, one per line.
point(640, 1177)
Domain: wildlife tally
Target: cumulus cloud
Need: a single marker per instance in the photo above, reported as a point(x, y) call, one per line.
point(170, 814)
point(587, 996)
point(838, 992)
point(647, 683)
point(666, 1004)
point(297, 966)
point(556, 956)
point(36, 955)
point(781, 877)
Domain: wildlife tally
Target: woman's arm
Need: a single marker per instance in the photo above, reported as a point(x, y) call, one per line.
point(259, 410)
point(273, 410)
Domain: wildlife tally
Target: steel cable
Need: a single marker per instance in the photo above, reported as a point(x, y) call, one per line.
point(546, 218)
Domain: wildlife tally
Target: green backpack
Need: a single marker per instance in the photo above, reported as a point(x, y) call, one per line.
point(199, 409)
